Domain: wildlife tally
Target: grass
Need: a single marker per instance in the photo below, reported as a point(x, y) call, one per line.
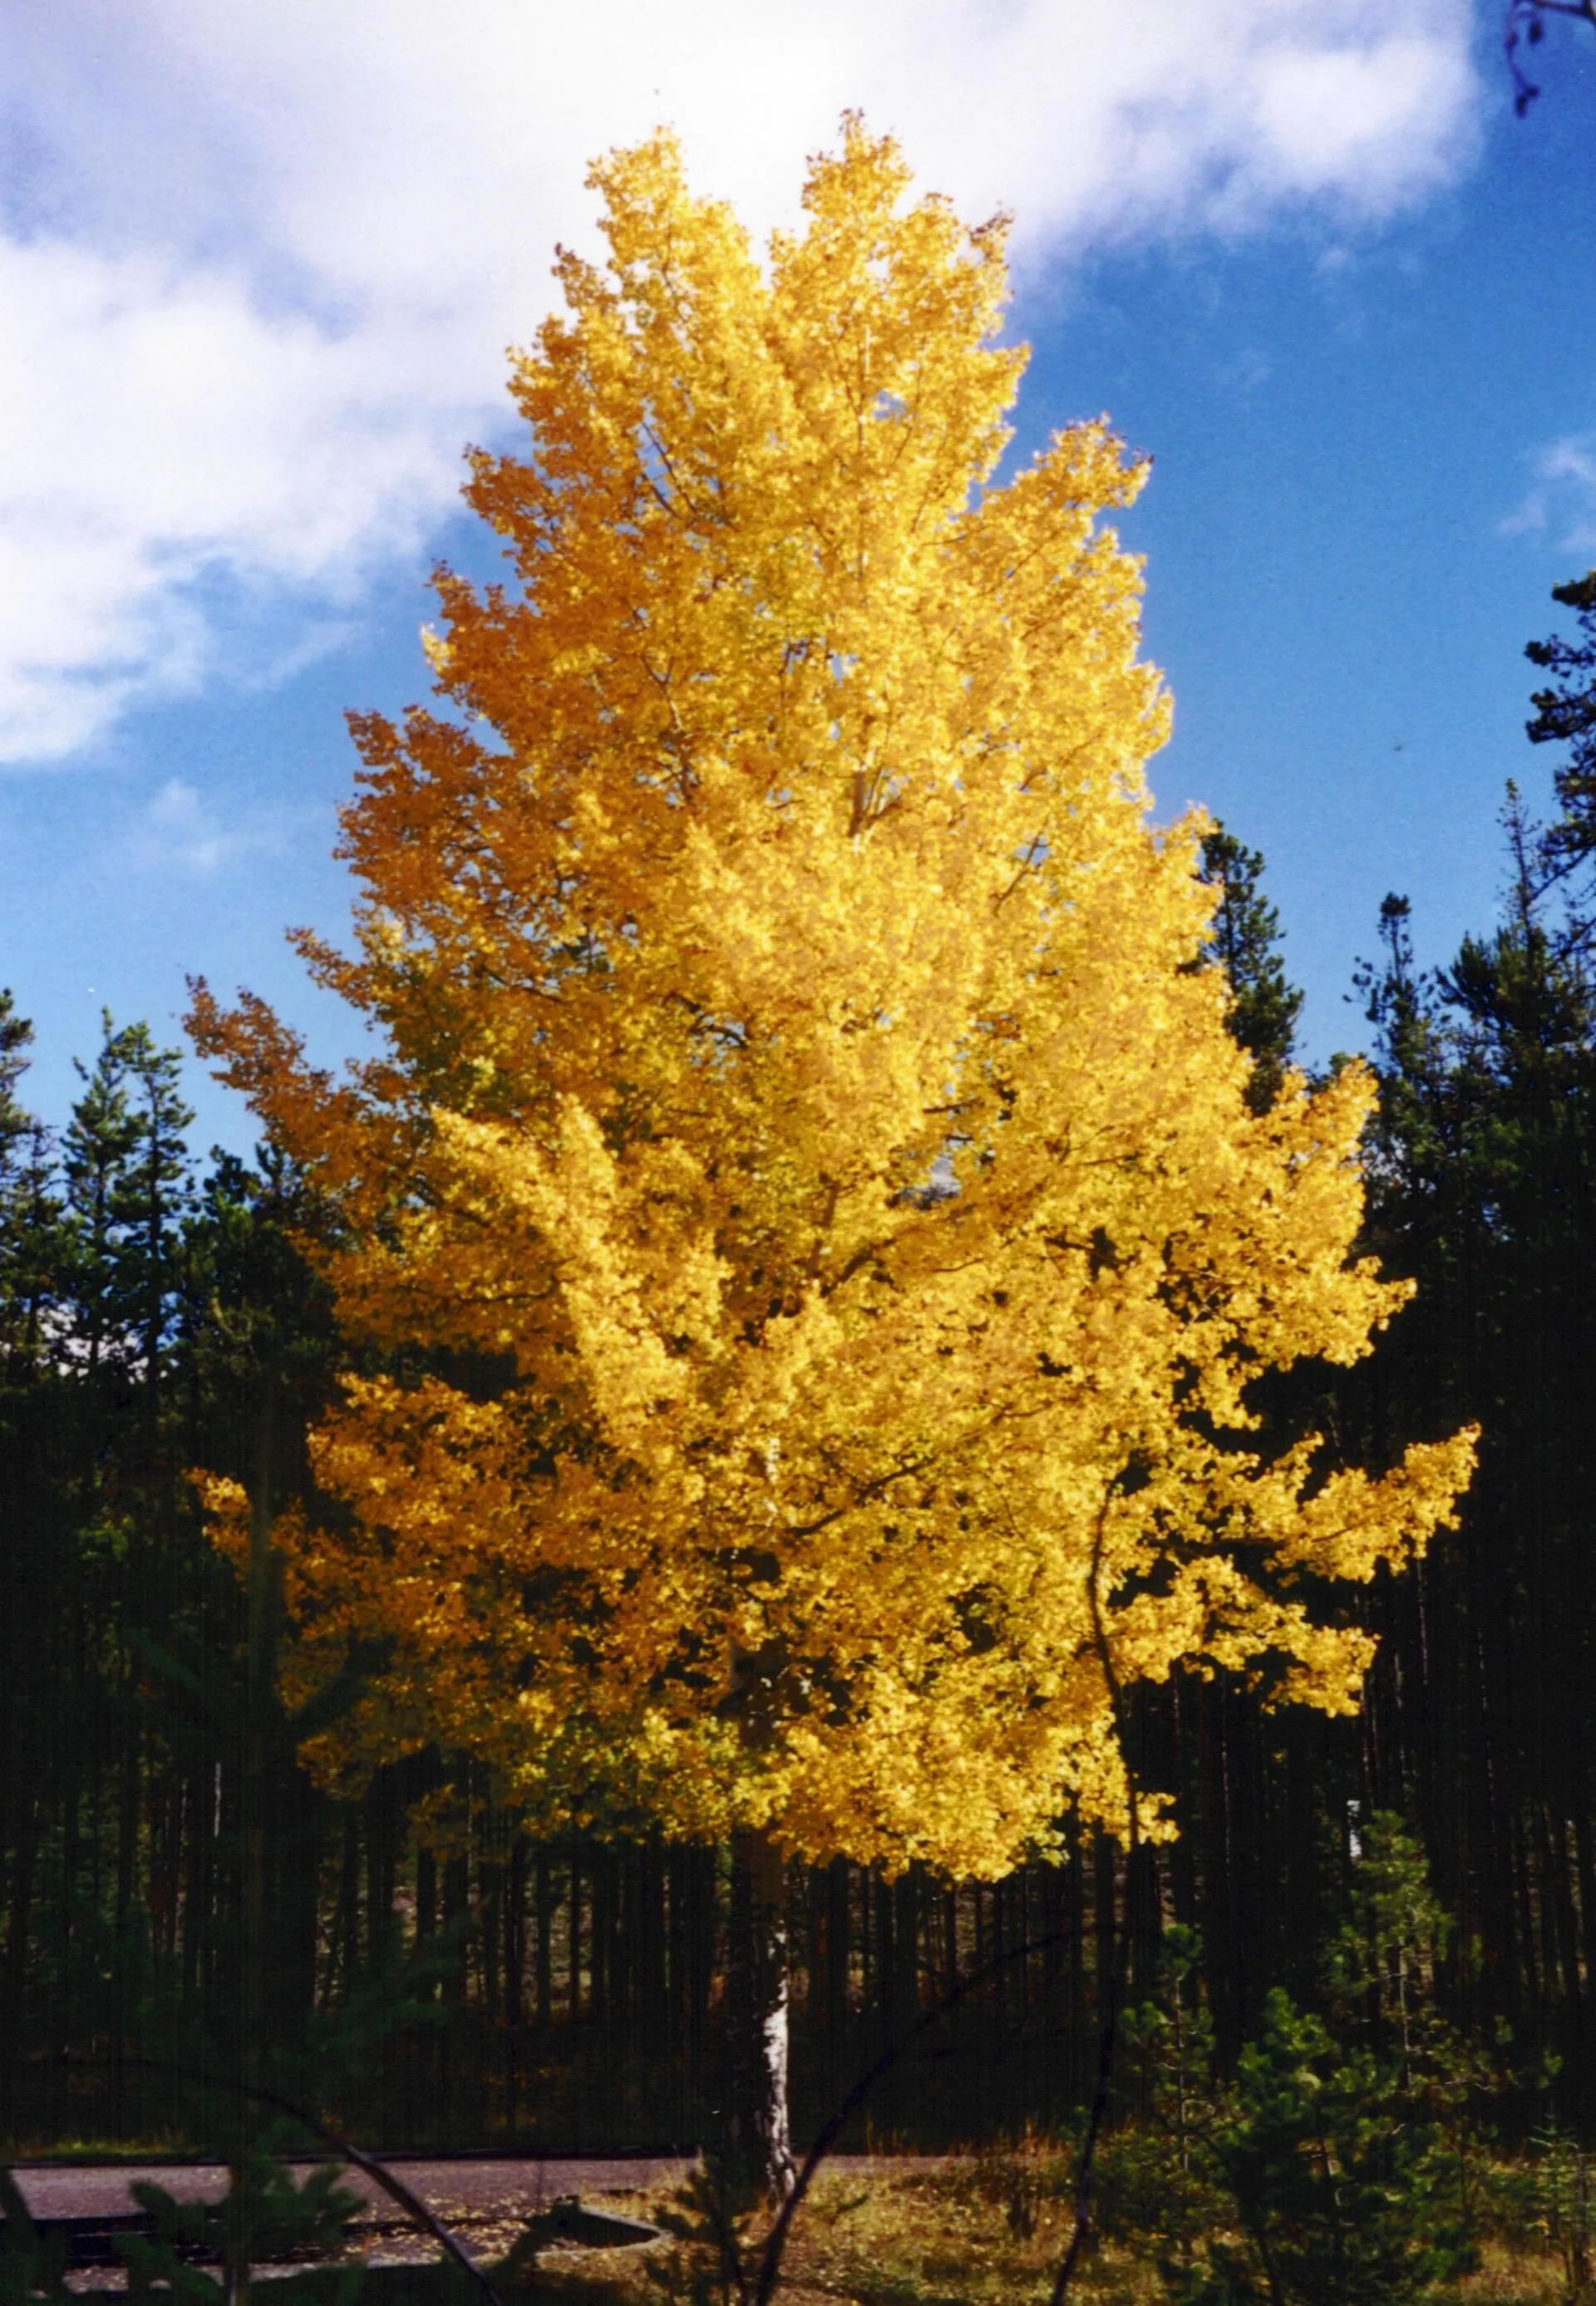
point(975, 2232)
point(164, 2145)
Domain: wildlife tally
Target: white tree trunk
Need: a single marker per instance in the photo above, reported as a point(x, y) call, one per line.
point(757, 2015)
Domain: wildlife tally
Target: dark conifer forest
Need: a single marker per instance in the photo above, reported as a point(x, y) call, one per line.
point(179, 1898)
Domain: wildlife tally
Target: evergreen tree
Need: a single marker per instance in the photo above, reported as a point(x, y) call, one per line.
point(156, 1191)
point(127, 1182)
point(16, 1036)
point(30, 1241)
point(1414, 1053)
point(1328, 2164)
point(32, 1252)
point(31, 1557)
point(1566, 715)
point(1243, 940)
point(1482, 1166)
point(97, 1157)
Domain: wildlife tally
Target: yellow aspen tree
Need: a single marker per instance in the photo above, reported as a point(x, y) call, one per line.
point(830, 1206)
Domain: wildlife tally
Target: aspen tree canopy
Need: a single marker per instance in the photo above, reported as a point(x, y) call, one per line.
point(804, 1231)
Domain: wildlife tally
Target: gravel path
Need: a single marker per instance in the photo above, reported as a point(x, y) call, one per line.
point(488, 2190)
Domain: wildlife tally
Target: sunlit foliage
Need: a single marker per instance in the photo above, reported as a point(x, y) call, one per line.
point(835, 1217)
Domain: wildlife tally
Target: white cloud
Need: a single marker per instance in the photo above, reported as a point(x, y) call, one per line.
point(259, 261)
point(1561, 498)
point(156, 427)
point(1334, 116)
point(179, 832)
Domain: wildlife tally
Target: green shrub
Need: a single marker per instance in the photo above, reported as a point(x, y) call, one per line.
point(265, 2214)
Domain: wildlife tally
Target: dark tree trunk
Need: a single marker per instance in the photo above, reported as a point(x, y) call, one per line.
point(837, 1951)
point(490, 1907)
point(544, 1899)
point(514, 1979)
point(881, 1909)
point(756, 2010)
point(1077, 2014)
point(904, 2002)
point(383, 1863)
point(600, 1935)
point(426, 1897)
point(19, 1920)
point(652, 1973)
point(574, 1935)
point(700, 1880)
point(514, 1934)
point(346, 1946)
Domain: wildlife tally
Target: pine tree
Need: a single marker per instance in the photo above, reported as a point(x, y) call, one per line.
point(1242, 940)
point(126, 1170)
point(33, 1559)
point(1413, 1052)
point(1566, 715)
point(16, 1036)
point(156, 1192)
point(814, 1214)
point(97, 1155)
point(30, 1241)
point(1481, 1161)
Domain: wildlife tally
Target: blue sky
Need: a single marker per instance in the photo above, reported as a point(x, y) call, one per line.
point(257, 266)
